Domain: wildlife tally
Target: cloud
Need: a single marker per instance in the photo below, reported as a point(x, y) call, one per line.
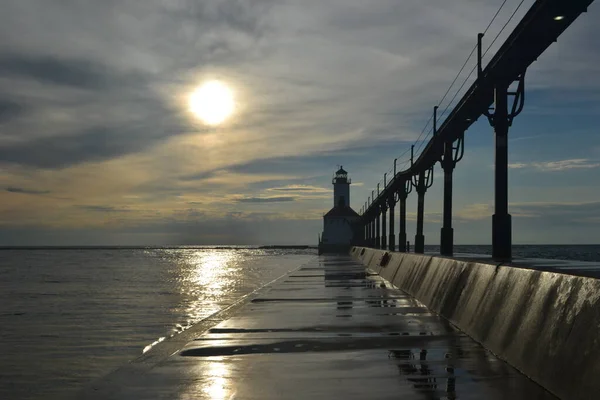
point(561, 165)
point(517, 165)
point(265, 199)
point(557, 213)
point(98, 208)
point(9, 110)
point(95, 106)
point(300, 188)
point(473, 212)
point(13, 189)
point(78, 73)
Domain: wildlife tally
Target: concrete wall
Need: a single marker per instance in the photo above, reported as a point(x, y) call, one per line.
point(545, 324)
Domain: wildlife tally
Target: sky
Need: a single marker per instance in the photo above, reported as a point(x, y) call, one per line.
point(98, 145)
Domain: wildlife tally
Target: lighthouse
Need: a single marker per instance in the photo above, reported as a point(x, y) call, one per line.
point(341, 188)
point(340, 223)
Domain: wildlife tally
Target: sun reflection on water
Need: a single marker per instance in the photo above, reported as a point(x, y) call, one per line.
point(210, 279)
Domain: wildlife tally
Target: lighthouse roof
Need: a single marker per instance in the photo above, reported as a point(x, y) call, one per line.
point(342, 211)
point(341, 171)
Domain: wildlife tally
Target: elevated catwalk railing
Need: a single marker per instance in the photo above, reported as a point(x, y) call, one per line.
point(498, 93)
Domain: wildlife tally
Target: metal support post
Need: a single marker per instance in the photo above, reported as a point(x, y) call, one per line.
point(447, 233)
point(451, 156)
point(423, 182)
point(377, 229)
point(372, 232)
point(419, 237)
point(501, 120)
point(402, 196)
point(479, 55)
point(501, 220)
point(383, 227)
point(392, 238)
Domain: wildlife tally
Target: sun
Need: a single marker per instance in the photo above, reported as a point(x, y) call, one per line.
point(212, 102)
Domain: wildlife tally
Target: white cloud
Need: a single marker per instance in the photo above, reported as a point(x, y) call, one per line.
point(560, 165)
point(100, 116)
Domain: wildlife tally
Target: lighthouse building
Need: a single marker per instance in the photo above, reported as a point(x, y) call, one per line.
point(340, 223)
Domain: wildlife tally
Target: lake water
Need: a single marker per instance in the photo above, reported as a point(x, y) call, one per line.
point(68, 316)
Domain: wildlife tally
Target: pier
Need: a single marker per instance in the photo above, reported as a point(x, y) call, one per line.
point(382, 323)
point(337, 328)
point(498, 94)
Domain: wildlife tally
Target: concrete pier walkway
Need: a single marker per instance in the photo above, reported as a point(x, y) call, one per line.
point(328, 330)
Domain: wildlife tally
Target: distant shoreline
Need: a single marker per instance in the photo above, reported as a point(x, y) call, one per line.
point(242, 247)
point(199, 247)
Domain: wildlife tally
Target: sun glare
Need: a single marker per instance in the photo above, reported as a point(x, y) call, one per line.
point(212, 102)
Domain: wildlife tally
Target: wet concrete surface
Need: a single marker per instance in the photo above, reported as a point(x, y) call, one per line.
point(329, 330)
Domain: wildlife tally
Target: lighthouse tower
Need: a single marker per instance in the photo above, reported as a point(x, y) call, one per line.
point(341, 188)
point(340, 223)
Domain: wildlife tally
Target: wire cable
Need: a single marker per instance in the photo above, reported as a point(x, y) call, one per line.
point(422, 142)
point(471, 54)
point(503, 28)
point(494, 18)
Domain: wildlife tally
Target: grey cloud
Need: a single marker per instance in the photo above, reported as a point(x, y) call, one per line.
point(247, 17)
point(63, 151)
point(265, 199)
point(13, 189)
point(119, 114)
point(9, 110)
point(200, 176)
point(92, 144)
point(559, 212)
point(59, 71)
point(547, 213)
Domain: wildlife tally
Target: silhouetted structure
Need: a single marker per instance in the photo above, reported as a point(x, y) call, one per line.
point(498, 94)
point(341, 222)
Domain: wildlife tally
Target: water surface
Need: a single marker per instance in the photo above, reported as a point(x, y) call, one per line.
point(71, 315)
